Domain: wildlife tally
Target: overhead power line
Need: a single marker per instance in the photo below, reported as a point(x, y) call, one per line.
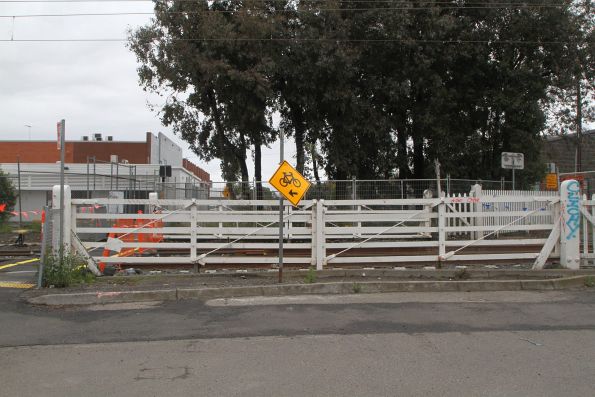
point(122, 13)
point(270, 1)
point(280, 39)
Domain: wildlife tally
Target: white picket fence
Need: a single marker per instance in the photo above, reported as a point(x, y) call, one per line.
point(588, 230)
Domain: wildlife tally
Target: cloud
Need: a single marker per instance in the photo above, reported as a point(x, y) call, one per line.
point(93, 85)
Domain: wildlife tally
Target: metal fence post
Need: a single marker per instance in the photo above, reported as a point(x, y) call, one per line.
point(42, 253)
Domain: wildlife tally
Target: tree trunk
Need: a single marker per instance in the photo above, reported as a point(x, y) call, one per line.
point(418, 155)
point(297, 119)
point(402, 159)
point(315, 163)
point(258, 170)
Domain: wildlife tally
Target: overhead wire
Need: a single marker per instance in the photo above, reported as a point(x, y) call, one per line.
point(264, 1)
point(293, 39)
point(431, 6)
point(301, 11)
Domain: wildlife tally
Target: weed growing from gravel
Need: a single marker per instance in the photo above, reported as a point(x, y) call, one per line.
point(310, 276)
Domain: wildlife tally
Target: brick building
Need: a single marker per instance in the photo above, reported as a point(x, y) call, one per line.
point(562, 151)
point(97, 166)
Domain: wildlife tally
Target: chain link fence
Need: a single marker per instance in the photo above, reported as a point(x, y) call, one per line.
point(355, 189)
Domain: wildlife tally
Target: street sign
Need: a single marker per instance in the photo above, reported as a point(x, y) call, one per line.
point(513, 161)
point(551, 181)
point(290, 183)
point(58, 133)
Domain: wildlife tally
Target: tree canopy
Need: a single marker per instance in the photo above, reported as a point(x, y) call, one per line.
point(368, 89)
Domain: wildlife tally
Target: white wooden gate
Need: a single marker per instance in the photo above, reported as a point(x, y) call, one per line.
point(479, 228)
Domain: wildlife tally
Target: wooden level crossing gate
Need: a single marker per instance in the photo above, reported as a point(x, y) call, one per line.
point(480, 228)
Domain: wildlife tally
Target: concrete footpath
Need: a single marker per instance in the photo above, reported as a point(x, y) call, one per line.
point(341, 282)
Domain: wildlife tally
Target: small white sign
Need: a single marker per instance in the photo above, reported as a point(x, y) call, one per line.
point(114, 244)
point(513, 161)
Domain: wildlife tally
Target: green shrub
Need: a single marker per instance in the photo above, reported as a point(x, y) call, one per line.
point(8, 197)
point(311, 276)
point(357, 288)
point(34, 226)
point(590, 281)
point(72, 270)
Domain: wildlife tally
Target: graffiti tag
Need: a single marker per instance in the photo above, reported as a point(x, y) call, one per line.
point(572, 208)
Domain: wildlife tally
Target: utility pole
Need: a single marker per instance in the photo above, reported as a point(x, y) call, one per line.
point(281, 159)
point(437, 170)
point(579, 126)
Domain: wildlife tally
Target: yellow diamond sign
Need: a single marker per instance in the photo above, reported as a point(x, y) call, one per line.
point(551, 181)
point(290, 183)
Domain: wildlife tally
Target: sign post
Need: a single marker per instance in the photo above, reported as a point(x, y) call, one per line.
point(293, 186)
point(61, 130)
point(513, 161)
point(281, 209)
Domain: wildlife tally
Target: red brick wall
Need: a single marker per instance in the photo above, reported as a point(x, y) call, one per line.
point(134, 152)
point(76, 152)
point(196, 170)
point(33, 152)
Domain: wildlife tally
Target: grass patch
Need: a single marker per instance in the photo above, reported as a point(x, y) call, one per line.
point(590, 281)
point(356, 288)
point(33, 226)
point(72, 270)
point(310, 276)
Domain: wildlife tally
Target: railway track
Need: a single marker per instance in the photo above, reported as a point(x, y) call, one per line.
point(18, 252)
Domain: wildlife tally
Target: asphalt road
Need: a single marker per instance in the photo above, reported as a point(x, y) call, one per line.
point(432, 344)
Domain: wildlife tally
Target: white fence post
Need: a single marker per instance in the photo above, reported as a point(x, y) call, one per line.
point(320, 235)
point(313, 239)
point(193, 226)
point(67, 219)
point(570, 227)
point(477, 209)
point(441, 228)
point(428, 209)
point(593, 229)
point(585, 232)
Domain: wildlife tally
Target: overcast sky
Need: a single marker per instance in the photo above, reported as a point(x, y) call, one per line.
point(92, 85)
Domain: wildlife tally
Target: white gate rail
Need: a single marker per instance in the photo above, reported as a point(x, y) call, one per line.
point(432, 230)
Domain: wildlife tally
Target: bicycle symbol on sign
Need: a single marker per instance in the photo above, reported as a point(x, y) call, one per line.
point(288, 179)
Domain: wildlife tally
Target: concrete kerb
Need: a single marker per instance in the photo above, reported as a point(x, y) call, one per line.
point(343, 288)
point(93, 298)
